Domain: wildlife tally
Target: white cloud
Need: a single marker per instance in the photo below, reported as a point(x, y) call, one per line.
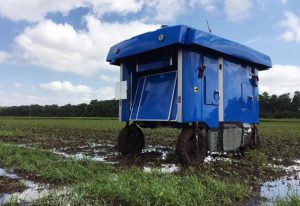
point(66, 87)
point(292, 24)
point(35, 10)
point(237, 10)
point(61, 48)
point(208, 5)
point(76, 94)
point(121, 7)
point(164, 10)
point(59, 98)
point(104, 93)
point(283, 1)
point(17, 99)
point(17, 85)
point(110, 79)
point(3, 56)
point(280, 79)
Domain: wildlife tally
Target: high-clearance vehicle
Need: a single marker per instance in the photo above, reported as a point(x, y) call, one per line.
point(186, 78)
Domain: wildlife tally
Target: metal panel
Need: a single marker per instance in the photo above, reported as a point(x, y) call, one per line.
point(232, 137)
point(183, 35)
point(210, 111)
point(154, 97)
point(121, 90)
point(221, 90)
point(211, 81)
point(137, 97)
point(179, 86)
point(156, 100)
point(147, 42)
point(173, 115)
point(247, 96)
point(120, 101)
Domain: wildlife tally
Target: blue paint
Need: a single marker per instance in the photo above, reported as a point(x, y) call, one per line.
point(147, 42)
point(183, 35)
point(155, 98)
point(210, 86)
point(150, 67)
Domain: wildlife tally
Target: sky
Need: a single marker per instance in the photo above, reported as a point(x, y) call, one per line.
point(54, 51)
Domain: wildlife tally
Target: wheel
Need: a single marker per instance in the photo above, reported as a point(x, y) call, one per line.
point(187, 149)
point(255, 139)
point(131, 140)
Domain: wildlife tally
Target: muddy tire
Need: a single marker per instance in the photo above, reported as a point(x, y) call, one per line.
point(255, 139)
point(131, 140)
point(188, 151)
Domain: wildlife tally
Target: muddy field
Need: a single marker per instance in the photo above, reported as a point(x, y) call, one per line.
point(75, 161)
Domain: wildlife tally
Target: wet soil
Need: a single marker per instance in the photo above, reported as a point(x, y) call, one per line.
point(9, 185)
point(266, 182)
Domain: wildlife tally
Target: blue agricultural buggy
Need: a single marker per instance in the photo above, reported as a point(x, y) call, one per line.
point(186, 78)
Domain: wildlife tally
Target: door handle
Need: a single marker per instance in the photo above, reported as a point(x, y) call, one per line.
point(217, 92)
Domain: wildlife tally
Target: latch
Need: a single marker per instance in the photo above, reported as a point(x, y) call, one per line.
point(201, 71)
point(217, 92)
point(254, 80)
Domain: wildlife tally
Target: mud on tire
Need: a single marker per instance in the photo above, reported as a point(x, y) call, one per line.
point(131, 140)
point(187, 150)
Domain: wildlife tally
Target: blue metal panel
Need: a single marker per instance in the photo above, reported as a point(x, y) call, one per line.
point(191, 62)
point(137, 98)
point(240, 103)
point(247, 96)
point(154, 98)
point(211, 80)
point(174, 105)
point(228, 47)
point(183, 35)
point(232, 90)
point(146, 42)
point(127, 75)
point(193, 103)
point(210, 105)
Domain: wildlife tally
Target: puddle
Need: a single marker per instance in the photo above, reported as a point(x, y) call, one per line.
point(163, 152)
point(95, 155)
point(4, 173)
point(32, 192)
point(284, 186)
point(109, 154)
point(164, 168)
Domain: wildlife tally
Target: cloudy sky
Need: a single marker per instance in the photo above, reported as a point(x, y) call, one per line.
point(53, 52)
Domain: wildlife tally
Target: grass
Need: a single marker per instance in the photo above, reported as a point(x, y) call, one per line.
point(218, 183)
point(280, 138)
point(290, 200)
point(95, 183)
point(43, 130)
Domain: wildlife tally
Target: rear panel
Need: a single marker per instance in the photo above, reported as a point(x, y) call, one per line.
point(240, 95)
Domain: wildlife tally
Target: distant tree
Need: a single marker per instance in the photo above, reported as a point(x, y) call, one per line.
point(296, 100)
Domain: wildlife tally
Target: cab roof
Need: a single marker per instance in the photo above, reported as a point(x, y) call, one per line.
point(181, 35)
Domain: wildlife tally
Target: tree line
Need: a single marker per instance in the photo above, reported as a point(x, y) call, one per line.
point(107, 108)
point(282, 106)
point(271, 106)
